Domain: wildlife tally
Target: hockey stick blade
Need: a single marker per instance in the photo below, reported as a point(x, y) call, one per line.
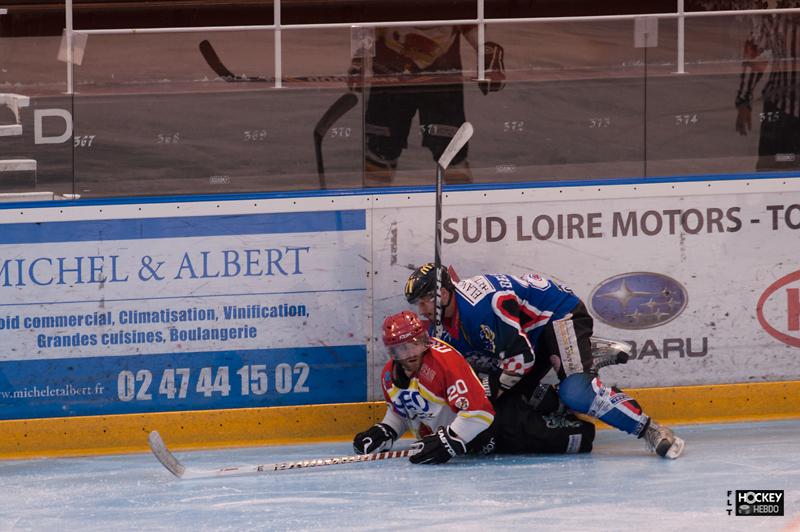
point(334, 113)
point(338, 109)
point(213, 60)
point(172, 464)
point(458, 141)
point(163, 455)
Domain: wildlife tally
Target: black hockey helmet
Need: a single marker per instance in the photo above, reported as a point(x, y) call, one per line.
point(423, 282)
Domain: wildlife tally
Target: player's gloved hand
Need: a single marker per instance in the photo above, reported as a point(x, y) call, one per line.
point(379, 437)
point(494, 67)
point(507, 380)
point(744, 119)
point(438, 448)
point(511, 372)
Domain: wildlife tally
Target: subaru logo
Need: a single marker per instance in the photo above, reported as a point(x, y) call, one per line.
point(638, 300)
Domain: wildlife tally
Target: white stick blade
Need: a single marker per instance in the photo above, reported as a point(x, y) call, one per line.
point(458, 141)
point(163, 455)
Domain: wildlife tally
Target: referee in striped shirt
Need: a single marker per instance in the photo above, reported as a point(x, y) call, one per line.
point(771, 51)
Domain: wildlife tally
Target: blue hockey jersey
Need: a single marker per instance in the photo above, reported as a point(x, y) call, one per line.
point(499, 317)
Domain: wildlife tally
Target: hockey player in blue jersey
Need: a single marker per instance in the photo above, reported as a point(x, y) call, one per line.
point(514, 330)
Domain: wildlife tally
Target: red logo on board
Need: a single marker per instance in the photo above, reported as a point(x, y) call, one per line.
point(778, 309)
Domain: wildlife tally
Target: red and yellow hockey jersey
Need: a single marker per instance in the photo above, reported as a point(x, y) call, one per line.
point(444, 392)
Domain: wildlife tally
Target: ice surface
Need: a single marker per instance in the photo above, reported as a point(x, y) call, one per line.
point(618, 487)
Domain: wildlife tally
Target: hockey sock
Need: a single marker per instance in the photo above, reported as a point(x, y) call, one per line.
point(586, 394)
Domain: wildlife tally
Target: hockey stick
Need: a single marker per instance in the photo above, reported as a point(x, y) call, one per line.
point(172, 464)
point(219, 68)
point(213, 60)
point(458, 141)
point(341, 106)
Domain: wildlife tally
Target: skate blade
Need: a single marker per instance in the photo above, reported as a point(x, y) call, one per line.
point(676, 449)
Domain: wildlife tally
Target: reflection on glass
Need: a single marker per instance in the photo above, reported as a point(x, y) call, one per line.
point(159, 114)
point(770, 65)
point(410, 71)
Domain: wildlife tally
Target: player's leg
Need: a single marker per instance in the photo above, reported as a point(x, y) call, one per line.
point(775, 150)
point(548, 357)
point(441, 113)
point(387, 122)
point(585, 393)
point(518, 428)
point(792, 133)
point(572, 339)
point(582, 391)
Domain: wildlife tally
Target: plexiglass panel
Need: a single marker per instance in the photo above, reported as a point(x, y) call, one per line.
point(35, 116)
point(200, 112)
point(736, 108)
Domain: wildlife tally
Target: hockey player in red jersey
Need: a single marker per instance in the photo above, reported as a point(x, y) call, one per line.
point(431, 390)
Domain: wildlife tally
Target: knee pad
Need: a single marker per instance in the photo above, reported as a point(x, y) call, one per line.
point(577, 393)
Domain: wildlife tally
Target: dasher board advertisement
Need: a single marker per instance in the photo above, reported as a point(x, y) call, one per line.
point(215, 305)
point(702, 278)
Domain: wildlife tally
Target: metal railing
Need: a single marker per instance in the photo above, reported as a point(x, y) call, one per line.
point(480, 21)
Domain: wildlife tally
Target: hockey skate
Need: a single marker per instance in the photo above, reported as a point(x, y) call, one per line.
point(663, 441)
point(607, 352)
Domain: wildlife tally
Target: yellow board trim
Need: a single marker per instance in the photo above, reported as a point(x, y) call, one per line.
point(81, 436)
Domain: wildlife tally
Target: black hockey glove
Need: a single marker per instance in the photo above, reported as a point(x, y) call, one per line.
point(495, 68)
point(379, 437)
point(438, 448)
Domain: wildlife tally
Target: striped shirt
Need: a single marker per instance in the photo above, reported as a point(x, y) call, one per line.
point(772, 49)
